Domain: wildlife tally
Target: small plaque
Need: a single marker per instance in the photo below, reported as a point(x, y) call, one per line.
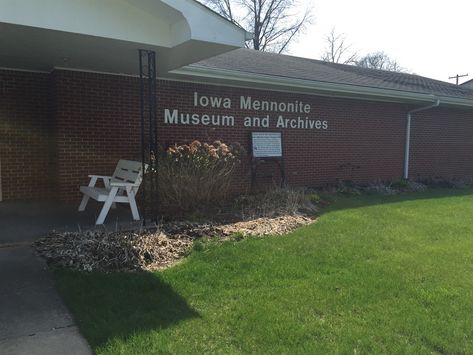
point(266, 144)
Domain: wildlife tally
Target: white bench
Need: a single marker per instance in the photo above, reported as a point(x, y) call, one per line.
point(119, 188)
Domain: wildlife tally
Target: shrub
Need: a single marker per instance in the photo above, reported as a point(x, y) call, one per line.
point(348, 187)
point(277, 201)
point(394, 187)
point(197, 176)
point(314, 197)
point(442, 182)
point(379, 187)
point(414, 186)
point(400, 184)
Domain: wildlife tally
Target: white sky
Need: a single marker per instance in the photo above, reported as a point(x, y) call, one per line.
point(429, 38)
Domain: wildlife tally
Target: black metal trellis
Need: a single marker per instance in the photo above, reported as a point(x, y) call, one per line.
point(149, 134)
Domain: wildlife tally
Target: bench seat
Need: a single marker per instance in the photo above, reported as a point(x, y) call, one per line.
point(101, 194)
point(121, 187)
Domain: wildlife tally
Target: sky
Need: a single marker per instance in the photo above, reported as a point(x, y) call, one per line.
point(429, 38)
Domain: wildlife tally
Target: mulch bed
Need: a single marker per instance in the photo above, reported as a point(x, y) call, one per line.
point(149, 250)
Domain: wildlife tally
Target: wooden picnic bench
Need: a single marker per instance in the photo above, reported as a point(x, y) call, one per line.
point(121, 187)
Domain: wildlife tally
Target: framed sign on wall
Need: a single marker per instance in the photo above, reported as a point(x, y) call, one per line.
point(266, 144)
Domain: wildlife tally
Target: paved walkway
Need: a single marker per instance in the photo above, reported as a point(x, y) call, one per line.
point(25, 221)
point(33, 318)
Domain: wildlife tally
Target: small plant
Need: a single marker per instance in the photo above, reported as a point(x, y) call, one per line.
point(415, 186)
point(198, 246)
point(348, 187)
point(455, 182)
point(395, 187)
point(314, 197)
point(237, 236)
point(436, 181)
point(379, 187)
point(400, 184)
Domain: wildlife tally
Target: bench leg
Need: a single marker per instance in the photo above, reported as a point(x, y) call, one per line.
point(83, 203)
point(107, 205)
point(133, 207)
point(119, 193)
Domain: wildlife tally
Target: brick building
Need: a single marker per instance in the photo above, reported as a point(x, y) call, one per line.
point(70, 101)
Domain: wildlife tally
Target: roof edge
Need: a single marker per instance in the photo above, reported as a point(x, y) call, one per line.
point(318, 86)
point(248, 35)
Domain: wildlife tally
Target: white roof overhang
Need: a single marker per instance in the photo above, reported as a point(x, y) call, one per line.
point(105, 35)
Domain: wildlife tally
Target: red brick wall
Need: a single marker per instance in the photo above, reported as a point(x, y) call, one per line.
point(442, 144)
point(364, 140)
point(97, 122)
point(27, 144)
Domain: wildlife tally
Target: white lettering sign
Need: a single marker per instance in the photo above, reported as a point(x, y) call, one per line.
point(176, 117)
point(246, 103)
point(212, 101)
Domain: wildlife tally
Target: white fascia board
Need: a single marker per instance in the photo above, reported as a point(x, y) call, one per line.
point(319, 87)
point(208, 26)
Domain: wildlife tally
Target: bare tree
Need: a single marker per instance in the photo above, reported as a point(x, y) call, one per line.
point(223, 7)
point(379, 60)
point(338, 51)
point(274, 23)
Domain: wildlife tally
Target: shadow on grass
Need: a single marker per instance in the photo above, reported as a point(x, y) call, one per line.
point(110, 306)
point(342, 201)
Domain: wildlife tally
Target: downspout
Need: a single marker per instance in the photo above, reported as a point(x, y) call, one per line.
point(408, 134)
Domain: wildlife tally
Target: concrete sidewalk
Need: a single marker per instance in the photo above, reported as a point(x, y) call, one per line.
point(33, 318)
point(26, 221)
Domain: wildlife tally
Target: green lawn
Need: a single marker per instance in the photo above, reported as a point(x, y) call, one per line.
point(374, 275)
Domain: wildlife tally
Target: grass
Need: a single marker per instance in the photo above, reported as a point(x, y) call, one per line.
point(375, 274)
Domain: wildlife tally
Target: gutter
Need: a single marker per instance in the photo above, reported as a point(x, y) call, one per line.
point(316, 87)
point(408, 133)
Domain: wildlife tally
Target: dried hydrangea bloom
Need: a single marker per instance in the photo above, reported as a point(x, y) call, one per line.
point(213, 153)
point(195, 146)
point(224, 149)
